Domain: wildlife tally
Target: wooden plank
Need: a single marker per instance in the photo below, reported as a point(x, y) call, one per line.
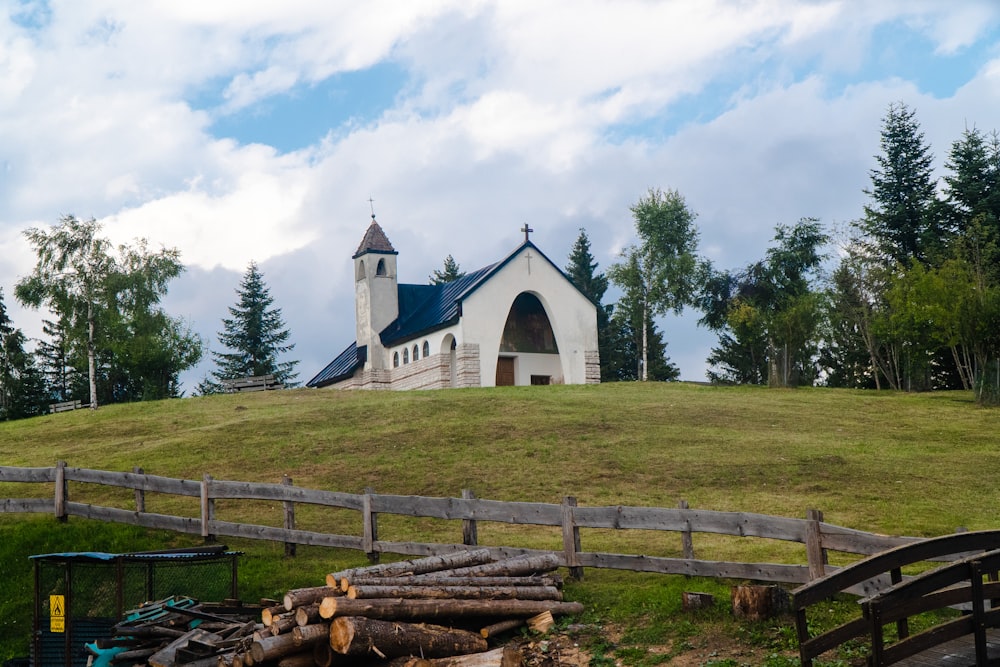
point(165, 656)
point(131, 480)
point(271, 533)
point(541, 514)
point(132, 518)
point(11, 474)
point(27, 505)
point(279, 492)
point(742, 524)
point(698, 568)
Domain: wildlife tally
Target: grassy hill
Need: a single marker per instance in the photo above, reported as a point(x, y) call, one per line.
point(885, 462)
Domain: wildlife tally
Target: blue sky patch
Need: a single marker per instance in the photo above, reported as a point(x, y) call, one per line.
point(305, 114)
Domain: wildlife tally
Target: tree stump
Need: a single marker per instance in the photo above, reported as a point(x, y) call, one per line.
point(757, 603)
point(692, 601)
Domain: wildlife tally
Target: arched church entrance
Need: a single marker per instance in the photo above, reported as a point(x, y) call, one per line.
point(529, 353)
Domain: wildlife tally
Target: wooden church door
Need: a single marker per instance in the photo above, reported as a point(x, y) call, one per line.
point(505, 371)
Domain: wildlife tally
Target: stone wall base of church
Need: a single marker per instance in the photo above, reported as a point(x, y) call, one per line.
point(592, 369)
point(433, 372)
point(467, 366)
point(427, 373)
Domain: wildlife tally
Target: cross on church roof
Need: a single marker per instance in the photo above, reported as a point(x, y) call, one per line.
point(527, 230)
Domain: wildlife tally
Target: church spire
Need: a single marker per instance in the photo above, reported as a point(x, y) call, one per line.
point(375, 240)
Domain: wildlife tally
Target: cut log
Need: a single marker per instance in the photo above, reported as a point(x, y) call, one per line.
point(283, 624)
point(269, 614)
point(307, 615)
point(538, 580)
point(501, 627)
point(299, 597)
point(274, 648)
point(394, 608)
point(360, 636)
point(297, 660)
point(510, 567)
point(505, 656)
point(307, 635)
point(691, 601)
point(323, 654)
point(455, 592)
point(419, 566)
point(541, 623)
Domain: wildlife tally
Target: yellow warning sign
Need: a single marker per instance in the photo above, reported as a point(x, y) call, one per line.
point(57, 613)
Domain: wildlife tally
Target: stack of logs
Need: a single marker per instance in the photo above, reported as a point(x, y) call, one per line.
point(432, 612)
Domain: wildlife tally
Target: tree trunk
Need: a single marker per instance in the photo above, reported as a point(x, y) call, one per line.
point(274, 648)
point(434, 580)
point(307, 615)
point(298, 660)
point(455, 592)
point(645, 344)
point(420, 566)
point(91, 356)
point(300, 597)
point(431, 609)
point(513, 567)
point(505, 656)
point(360, 636)
point(307, 635)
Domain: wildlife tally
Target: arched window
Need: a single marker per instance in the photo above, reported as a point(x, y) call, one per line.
point(416, 352)
point(361, 270)
point(406, 355)
point(395, 359)
point(380, 269)
point(427, 350)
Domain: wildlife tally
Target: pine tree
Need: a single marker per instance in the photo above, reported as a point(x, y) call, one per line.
point(22, 389)
point(255, 334)
point(902, 222)
point(54, 357)
point(581, 270)
point(450, 273)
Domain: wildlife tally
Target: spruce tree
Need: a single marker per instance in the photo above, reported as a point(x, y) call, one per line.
point(902, 222)
point(582, 271)
point(255, 336)
point(450, 273)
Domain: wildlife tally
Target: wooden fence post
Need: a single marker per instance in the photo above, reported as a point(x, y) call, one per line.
point(571, 538)
point(369, 526)
point(687, 541)
point(816, 555)
point(289, 523)
point(62, 491)
point(140, 495)
point(470, 532)
point(207, 508)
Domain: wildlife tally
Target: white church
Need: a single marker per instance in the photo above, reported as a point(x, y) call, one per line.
point(519, 321)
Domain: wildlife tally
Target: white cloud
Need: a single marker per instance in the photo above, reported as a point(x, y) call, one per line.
point(555, 114)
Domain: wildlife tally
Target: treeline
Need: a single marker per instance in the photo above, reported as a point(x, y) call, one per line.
point(907, 297)
point(109, 339)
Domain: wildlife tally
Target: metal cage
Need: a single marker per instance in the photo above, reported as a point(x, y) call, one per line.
point(79, 597)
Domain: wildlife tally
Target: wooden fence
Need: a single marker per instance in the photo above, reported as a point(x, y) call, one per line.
point(817, 536)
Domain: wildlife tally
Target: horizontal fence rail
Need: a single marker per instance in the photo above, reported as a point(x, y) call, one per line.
point(817, 536)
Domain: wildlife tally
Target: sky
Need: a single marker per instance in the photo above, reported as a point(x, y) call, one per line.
point(268, 132)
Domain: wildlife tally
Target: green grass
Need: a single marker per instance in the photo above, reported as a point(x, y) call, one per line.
point(883, 462)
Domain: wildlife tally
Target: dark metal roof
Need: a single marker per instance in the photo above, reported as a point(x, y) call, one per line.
point(424, 308)
point(194, 553)
point(375, 240)
point(342, 367)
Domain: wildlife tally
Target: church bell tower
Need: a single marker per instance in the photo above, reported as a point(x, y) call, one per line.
point(376, 294)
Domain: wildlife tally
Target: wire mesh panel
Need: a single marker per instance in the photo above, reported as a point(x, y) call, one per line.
point(79, 597)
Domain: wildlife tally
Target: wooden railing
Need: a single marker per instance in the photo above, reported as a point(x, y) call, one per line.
point(892, 598)
point(817, 537)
